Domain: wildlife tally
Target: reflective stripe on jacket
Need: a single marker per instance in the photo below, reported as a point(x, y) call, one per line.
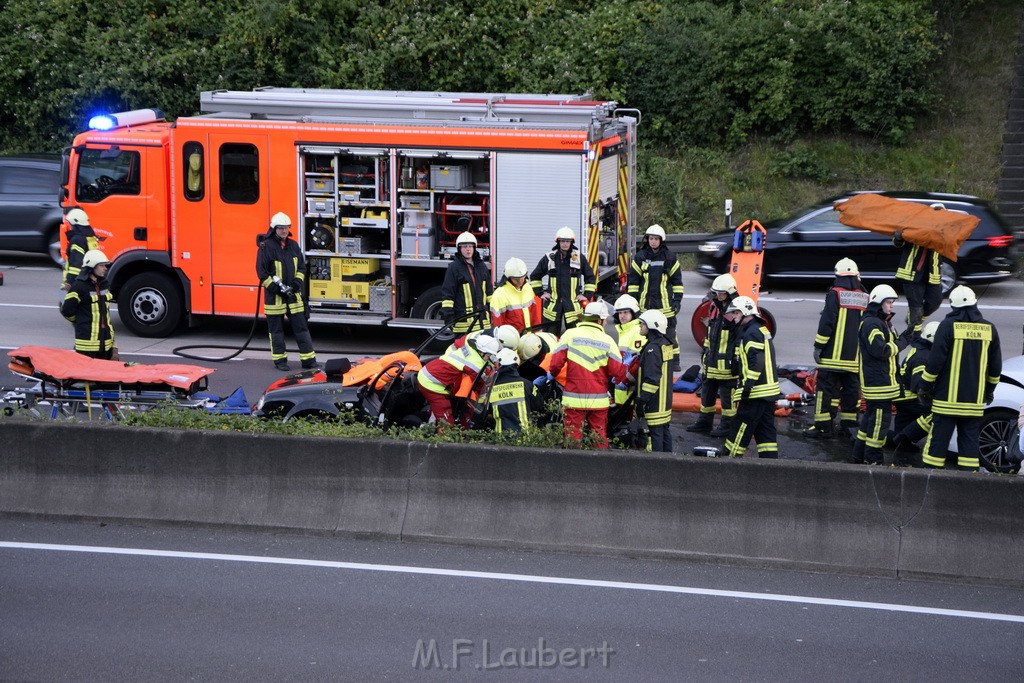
point(918, 264)
point(756, 354)
point(878, 356)
point(287, 263)
point(964, 364)
point(719, 343)
point(444, 375)
point(839, 328)
point(568, 278)
point(654, 383)
point(519, 308)
point(656, 280)
point(591, 359)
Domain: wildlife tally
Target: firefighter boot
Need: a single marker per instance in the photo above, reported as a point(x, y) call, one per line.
point(858, 452)
point(703, 423)
point(820, 430)
point(281, 365)
point(723, 429)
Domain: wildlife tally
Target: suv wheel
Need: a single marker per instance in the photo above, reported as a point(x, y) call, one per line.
point(53, 246)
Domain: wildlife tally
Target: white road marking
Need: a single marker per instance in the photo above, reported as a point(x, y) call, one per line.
point(522, 578)
point(54, 305)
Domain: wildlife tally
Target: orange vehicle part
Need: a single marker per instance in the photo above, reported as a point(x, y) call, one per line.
point(368, 368)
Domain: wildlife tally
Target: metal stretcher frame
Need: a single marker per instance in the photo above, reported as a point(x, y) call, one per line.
point(67, 381)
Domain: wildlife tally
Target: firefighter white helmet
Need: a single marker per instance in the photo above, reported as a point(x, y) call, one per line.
point(655, 230)
point(745, 305)
point(724, 283)
point(486, 345)
point(77, 217)
point(515, 267)
point(280, 220)
point(596, 309)
point(529, 346)
point(465, 238)
point(93, 258)
point(655, 320)
point(847, 266)
point(507, 357)
point(961, 296)
point(626, 302)
point(565, 233)
point(507, 336)
point(882, 292)
point(928, 333)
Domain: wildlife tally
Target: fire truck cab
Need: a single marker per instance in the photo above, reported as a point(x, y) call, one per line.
point(377, 184)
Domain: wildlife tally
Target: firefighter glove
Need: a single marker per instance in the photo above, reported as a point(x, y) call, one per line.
point(817, 356)
point(745, 394)
point(989, 395)
point(542, 380)
point(447, 315)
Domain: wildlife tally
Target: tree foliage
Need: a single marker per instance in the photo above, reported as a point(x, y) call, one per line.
point(702, 71)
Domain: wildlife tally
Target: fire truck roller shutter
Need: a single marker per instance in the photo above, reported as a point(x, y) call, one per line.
point(536, 194)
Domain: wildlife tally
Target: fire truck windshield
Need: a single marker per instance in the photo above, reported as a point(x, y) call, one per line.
point(106, 171)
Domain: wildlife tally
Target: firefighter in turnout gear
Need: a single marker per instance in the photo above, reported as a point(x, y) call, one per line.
point(514, 303)
point(466, 287)
point(913, 421)
point(758, 382)
point(922, 280)
point(631, 340)
point(959, 379)
point(570, 282)
point(656, 280)
point(592, 360)
point(837, 351)
point(282, 272)
point(440, 379)
point(880, 348)
point(654, 382)
point(716, 360)
point(513, 398)
point(87, 307)
point(81, 239)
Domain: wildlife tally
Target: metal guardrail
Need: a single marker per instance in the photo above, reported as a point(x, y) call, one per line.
point(686, 244)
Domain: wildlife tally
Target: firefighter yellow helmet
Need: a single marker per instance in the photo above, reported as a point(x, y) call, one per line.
point(655, 230)
point(745, 305)
point(507, 336)
point(655, 320)
point(565, 233)
point(626, 302)
point(961, 296)
point(77, 217)
point(529, 346)
point(928, 333)
point(724, 283)
point(882, 292)
point(93, 258)
point(465, 238)
point(280, 220)
point(515, 267)
point(846, 266)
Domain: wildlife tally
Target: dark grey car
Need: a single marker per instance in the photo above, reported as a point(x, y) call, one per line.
point(30, 215)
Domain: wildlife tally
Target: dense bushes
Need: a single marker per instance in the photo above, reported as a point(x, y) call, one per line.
point(702, 72)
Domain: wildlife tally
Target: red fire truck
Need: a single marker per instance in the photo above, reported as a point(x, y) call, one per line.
point(377, 184)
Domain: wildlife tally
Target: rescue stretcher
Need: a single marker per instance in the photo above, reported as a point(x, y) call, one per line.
point(64, 382)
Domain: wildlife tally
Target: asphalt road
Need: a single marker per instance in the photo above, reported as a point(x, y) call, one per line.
point(107, 602)
point(30, 294)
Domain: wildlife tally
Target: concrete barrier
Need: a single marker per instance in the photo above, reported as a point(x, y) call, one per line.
point(826, 517)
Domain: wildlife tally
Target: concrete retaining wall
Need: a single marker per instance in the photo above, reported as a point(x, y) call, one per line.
point(788, 514)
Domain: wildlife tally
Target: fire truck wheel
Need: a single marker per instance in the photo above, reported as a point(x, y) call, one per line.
point(428, 307)
point(149, 305)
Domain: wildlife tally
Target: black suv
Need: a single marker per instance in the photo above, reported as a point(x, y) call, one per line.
point(807, 245)
point(30, 215)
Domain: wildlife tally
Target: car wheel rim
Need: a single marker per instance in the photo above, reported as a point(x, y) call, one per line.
point(993, 442)
point(149, 306)
point(55, 255)
point(434, 313)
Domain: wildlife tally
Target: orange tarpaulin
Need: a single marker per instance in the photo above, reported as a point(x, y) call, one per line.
point(66, 365)
point(941, 230)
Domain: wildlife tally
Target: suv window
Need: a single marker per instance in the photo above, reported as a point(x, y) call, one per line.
point(27, 180)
